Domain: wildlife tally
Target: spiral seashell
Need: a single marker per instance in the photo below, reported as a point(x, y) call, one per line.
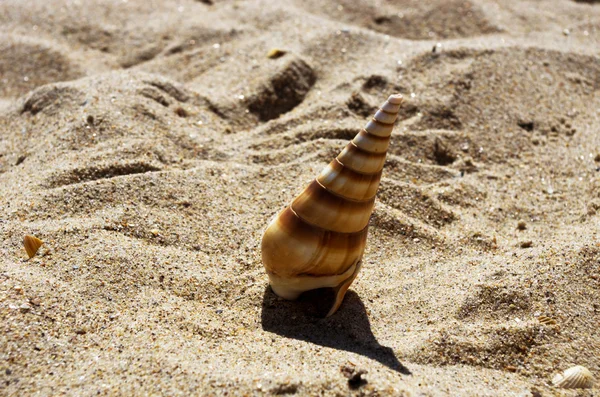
point(577, 377)
point(319, 239)
point(32, 245)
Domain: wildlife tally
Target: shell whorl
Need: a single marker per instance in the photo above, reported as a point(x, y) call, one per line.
point(318, 241)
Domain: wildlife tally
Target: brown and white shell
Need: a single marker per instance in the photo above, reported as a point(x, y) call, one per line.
point(319, 239)
point(577, 377)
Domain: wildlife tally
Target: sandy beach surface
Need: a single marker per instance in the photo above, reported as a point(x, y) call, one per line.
point(149, 143)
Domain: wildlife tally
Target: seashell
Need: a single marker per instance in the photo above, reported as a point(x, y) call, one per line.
point(577, 377)
point(545, 320)
point(32, 244)
point(275, 53)
point(319, 239)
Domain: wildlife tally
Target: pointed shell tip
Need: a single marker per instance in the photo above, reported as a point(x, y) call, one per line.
point(396, 99)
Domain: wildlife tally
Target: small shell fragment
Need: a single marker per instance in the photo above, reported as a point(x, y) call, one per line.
point(275, 53)
point(547, 320)
point(32, 244)
point(577, 377)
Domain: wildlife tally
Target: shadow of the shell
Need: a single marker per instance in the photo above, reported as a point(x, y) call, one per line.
point(348, 329)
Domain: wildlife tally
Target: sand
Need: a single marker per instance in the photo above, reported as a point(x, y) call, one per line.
point(148, 144)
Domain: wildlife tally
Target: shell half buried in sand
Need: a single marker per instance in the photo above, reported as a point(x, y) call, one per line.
point(577, 377)
point(319, 239)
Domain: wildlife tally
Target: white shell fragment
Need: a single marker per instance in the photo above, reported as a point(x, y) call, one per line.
point(577, 377)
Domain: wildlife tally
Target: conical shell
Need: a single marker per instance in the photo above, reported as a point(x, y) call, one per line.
point(577, 377)
point(318, 241)
point(32, 245)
